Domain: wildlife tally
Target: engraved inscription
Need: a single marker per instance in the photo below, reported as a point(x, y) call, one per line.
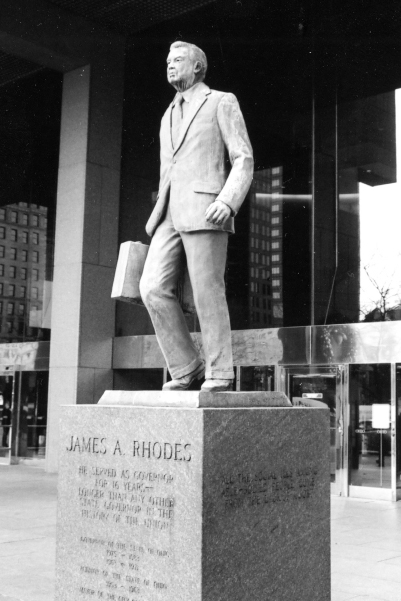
point(137, 499)
point(144, 449)
point(244, 490)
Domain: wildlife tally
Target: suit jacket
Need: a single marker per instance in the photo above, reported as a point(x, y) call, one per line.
point(194, 173)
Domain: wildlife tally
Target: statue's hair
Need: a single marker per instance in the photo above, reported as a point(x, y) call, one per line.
point(195, 54)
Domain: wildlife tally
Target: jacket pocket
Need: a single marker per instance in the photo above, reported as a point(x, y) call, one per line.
point(207, 187)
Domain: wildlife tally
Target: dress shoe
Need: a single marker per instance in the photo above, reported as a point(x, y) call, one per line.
point(214, 385)
point(185, 382)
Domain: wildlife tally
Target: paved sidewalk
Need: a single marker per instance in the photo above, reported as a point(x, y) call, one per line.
point(366, 542)
point(365, 550)
point(27, 533)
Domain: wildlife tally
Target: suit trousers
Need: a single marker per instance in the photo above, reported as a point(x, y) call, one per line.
point(206, 255)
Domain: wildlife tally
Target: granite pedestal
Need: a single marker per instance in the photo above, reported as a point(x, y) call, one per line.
point(193, 503)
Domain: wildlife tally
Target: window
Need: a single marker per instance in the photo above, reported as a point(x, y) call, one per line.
point(276, 283)
point(23, 273)
point(11, 290)
point(275, 232)
point(2, 251)
point(35, 238)
point(1, 289)
point(9, 327)
point(12, 271)
point(1, 270)
point(24, 219)
point(34, 293)
point(2, 214)
point(10, 308)
point(35, 256)
point(275, 245)
point(276, 270)
point(13, 216)
point(21, 309)
point(1, 307)
point(44, 221)
point(276, 170)
point(35, 274)
point(275, 257)
point(13, 235)
point(276, 182)
point(275, 207)
point(22, 291)
point(2, 232)
point(13, 254)
point(25, 237)
point(275, 220)
point(24, 255)
point(276, 294)
point(35, 220)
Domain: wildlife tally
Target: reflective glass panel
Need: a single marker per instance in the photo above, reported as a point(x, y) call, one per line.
point(30, 402)
point(6, 405)
point(369, 429)
point(398, 428)
point(356, 240)
point(319, 391)
point(257, 378)
point(29, 146)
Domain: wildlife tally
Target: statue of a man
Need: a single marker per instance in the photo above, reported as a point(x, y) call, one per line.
point(193, 216)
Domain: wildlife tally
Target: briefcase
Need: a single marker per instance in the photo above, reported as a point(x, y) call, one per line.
point(130, 264)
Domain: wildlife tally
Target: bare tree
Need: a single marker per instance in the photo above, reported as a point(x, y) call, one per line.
point(385, 293)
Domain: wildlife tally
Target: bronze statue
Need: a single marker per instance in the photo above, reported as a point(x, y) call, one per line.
point(193, 215)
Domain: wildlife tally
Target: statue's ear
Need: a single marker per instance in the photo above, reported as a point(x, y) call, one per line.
point(197, 67)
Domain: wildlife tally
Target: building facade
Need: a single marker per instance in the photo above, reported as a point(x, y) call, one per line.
point(314, 270)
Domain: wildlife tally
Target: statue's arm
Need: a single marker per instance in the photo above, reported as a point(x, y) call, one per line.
point(236, 140)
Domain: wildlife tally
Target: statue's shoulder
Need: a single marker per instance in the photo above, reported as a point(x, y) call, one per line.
point(223, 96)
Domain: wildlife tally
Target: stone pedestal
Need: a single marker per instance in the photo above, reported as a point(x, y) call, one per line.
point(193, 504)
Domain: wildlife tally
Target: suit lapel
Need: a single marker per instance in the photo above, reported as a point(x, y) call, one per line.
point(190, 116)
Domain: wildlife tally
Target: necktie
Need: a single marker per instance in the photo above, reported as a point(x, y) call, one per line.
point(177, 119)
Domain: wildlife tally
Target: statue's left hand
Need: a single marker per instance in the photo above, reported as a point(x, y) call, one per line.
point(218, 212)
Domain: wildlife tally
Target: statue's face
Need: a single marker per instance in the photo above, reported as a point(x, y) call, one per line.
point(181, 70)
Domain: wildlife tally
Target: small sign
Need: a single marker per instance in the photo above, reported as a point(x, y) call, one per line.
point(312, 395)
point(380, 416)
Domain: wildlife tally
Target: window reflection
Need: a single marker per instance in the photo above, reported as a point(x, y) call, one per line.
point(30, 113)
point(359, 278)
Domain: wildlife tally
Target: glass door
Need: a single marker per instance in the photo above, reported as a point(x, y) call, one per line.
point(6, 413)
point(371, 430)
point(323, 387)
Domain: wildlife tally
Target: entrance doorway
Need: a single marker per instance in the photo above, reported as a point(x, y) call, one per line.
point(322, 387)
point(364, 402)
point(372, 431)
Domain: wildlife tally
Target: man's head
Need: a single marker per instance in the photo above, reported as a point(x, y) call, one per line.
point(186, 65)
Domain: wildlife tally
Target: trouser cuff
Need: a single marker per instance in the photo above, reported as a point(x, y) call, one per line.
point(180, 372)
